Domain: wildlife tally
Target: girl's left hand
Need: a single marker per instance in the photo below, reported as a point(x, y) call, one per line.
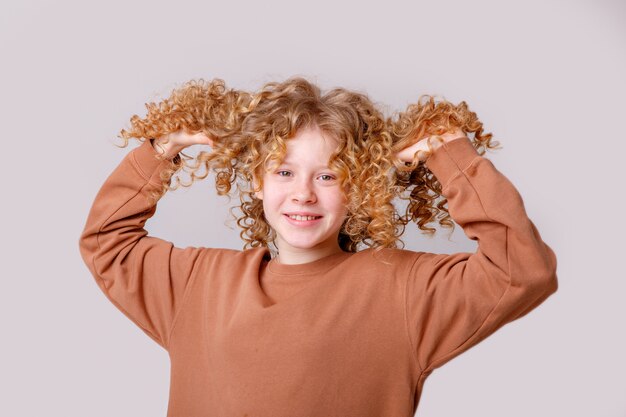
point(406, 154)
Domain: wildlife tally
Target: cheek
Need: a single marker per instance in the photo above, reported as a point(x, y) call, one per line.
point(339, 203)
point(273, 197)
point(270, 212)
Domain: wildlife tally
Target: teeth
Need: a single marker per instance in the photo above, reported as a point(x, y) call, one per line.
point(298, 217)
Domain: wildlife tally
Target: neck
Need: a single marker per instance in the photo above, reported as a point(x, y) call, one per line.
point(294, 257)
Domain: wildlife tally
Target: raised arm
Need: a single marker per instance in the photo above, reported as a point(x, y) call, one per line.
point(143, 276)
point(455, 301)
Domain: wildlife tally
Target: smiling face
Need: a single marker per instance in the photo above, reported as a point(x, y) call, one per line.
point(303, 200)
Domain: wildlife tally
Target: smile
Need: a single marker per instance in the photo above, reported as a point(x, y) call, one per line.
point(302, 220)
point(298, 217)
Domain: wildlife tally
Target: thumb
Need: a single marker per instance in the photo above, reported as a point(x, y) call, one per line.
point(202, 138)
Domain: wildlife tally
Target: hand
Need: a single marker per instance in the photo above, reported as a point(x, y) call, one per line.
point(421, 146)
point(179, 140)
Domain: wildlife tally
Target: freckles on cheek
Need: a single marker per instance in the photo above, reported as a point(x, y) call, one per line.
point(345, 198)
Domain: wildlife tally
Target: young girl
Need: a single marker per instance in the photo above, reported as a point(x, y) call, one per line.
point(320, 314)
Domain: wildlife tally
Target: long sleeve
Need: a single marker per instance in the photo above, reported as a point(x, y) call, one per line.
point(143, 276)
point(455, 301)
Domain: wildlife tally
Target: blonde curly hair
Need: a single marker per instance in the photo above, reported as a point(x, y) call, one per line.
point(415, 182)
point(250, 130)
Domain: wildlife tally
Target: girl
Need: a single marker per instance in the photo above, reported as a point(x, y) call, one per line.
point(320, 314)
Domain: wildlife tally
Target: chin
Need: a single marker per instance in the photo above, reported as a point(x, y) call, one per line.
point(303, 245)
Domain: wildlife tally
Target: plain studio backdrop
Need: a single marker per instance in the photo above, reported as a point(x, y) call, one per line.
point(547, 78)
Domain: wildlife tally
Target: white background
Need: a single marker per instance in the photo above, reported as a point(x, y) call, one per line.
point(547, 78)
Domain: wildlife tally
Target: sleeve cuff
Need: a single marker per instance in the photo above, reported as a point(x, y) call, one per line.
point(145, 159)
point(451, 158)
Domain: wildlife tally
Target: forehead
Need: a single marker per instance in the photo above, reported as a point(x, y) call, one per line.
point(310, 145)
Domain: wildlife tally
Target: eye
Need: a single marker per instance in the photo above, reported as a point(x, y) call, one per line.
point(326, 177)
point(283, 173)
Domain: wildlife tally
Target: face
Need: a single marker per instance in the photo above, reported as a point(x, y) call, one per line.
point(302, 198)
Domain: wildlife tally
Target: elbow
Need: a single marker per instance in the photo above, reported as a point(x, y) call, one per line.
point(87, 247)
point(83, 250)
point(543, 289)
point(550, 284)
point(544, 282)
point(533, 286)
point(550, 281)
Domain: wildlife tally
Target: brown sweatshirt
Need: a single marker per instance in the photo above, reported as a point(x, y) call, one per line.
point(346, 335)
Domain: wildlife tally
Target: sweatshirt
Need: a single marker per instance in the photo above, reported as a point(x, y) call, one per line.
point(350, 334)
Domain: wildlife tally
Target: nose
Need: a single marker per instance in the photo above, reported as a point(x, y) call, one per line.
point(303, 193)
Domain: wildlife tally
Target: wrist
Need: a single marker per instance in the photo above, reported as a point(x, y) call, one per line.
point(168, 150)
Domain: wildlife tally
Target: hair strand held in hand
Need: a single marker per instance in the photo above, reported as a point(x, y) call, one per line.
point(416, 183)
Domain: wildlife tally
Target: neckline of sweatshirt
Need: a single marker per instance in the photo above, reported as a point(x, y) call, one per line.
point(276, 271)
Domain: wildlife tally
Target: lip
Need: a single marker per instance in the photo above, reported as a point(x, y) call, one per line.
point(302, 213)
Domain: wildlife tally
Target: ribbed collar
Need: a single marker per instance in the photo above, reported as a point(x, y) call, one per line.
point(317, 267)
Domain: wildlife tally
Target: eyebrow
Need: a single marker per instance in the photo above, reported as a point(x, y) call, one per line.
point(288, 163)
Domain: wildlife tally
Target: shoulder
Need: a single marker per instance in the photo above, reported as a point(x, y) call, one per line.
point(386, 258)
point(234, 256)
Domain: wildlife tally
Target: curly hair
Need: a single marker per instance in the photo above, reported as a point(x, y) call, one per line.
point(250, 131)
point(415, 182)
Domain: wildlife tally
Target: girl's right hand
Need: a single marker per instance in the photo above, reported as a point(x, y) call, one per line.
point(421, 146)
point(172, 143)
